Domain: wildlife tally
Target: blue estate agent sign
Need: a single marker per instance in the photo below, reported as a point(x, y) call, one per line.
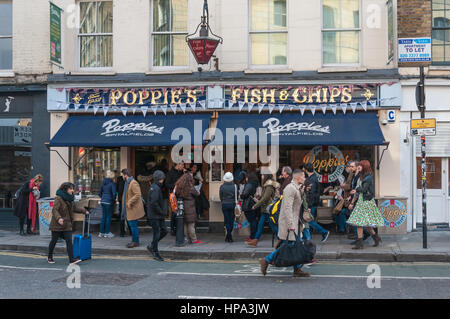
point(414, 50)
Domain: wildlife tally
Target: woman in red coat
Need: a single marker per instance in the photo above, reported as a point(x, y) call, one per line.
point(26, 206)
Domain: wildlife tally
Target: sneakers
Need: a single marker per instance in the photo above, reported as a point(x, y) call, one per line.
point(198, 241)
point(75, 261)
point(325, 237)
point(108, 235)
point(100, 235)
point(50, 260)
point(158, 257)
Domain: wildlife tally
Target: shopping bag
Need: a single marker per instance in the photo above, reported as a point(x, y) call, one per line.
point(293, 253)
point(241, 226)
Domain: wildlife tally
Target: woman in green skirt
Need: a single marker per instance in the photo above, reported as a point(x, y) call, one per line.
point(366, 212)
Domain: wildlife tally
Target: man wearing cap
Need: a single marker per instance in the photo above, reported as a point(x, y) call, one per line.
point(156, 213)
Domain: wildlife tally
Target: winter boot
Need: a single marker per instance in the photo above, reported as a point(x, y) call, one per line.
point(264, 264)
point(300, 273)
point(252, 243)
point(376, 239)
point(359, 244)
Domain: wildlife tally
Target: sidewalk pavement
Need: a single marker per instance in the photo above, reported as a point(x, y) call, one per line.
point(394, 248)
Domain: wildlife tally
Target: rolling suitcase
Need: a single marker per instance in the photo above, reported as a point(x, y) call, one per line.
point(82, 244)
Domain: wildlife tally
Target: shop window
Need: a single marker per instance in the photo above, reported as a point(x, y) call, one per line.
point(340, 32)
point(90, 167)
point(434, 172)
point(15, 157)
point(96, 34)
point(169, 32)
point(268, 32)
point(440, 36)
point(5, 35)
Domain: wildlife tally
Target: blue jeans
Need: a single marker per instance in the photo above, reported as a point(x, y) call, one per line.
point(134, 230)
point(265, 217)
point(252, 217)
point(314, 225)
point(228, 214)
point(341, 219)
point(106, 218)
point(271, 257)
point(306, 234)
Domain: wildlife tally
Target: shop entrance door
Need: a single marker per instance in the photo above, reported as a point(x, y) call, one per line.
point(437, 190)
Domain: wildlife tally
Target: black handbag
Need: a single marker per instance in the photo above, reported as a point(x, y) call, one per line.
point(294, 253)
point(248, 204)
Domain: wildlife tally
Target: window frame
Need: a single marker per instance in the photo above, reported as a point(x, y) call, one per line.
point(251, 32)
point(157, 68)
point(80, 35)
point(440, 63)
point(359, 30)
point(7, 71)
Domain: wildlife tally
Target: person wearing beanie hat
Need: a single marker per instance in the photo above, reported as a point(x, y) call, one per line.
point(227, 194)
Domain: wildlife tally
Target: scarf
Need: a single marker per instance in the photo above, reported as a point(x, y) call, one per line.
point(124, 199)
point(64, 195)
point(32, 206)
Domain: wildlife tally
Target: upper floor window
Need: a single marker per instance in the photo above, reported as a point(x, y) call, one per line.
point(440, 36)
point(5, 35)
point(96, 34)
point(169, 30)
point(268, 32)
point(340, 32)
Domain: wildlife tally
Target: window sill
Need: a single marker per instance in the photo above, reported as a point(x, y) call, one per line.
point(6, 74)
point(439, 67)
point(339, 69)
point(156, 72)
point(267, 71)
point(91, 72)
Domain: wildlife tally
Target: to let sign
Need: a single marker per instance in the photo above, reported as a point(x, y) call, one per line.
point(423, 127)
point(414, 50)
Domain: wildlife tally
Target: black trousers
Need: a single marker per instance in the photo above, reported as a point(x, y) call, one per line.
point(22, 223)
point(122, 227)
point(159, 232)
point(67, 235)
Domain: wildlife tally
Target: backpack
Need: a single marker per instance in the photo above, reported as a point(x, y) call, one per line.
point(274, 210)
point(173, 201)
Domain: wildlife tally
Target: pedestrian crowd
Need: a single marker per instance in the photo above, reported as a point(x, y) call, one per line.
point(287, 203)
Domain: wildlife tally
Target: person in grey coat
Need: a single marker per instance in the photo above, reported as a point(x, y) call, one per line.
point(156, 213)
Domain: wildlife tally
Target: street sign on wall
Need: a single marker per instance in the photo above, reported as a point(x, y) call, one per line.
point(414, 50)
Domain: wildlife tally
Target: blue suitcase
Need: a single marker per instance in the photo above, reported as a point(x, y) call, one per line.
point(82, 244)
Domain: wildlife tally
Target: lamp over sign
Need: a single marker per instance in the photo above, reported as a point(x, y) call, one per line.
point(203, 46)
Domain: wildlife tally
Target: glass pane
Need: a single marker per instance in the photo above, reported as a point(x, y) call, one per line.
point(434, 170)
point(105, 17)
point(161, 15)
point(438, 53)
point(260, 49)
point(330, 47)
point(5, 18)
point(180, 50)
point(278, 48)
point(349, 47)
point(179, 18)
point(331, 14)
point(438, 4)
point(259, 15)
point(105, 51)
point(15, 157)
point(87, 52)
point(439, 20)
point(350, 14)
point(87, 17)
point(278, 14)
point(161, 50)
point(6, 54)
point(438, 37)
point(447, 53)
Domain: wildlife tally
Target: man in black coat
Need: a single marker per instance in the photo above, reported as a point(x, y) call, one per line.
point(172, 177)
point(120, 185)
point(156, 213)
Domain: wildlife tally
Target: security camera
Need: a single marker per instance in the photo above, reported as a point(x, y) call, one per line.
point(200, 69)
